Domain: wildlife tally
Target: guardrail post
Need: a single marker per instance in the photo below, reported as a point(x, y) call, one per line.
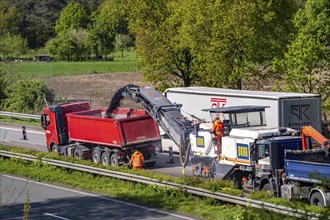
point(24, 132)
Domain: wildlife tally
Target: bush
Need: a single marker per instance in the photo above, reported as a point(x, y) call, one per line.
point(27, 96)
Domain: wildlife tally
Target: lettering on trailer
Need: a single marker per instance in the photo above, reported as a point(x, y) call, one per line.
point(242, 151)
point(218, 102)
point(301, 115)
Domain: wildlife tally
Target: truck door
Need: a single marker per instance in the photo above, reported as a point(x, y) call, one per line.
point(49, 128)
point(262, 152)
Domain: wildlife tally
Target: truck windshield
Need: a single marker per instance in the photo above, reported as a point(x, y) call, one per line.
point(242, 119)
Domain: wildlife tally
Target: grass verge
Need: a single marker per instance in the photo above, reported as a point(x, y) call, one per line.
point(20, 121)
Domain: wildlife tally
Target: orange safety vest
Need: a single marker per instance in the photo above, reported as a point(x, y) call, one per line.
point(137, 159)
point(218, 127)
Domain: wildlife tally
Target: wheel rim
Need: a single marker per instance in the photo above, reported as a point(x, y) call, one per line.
point(114, 161)
point(95, 157)
point(54, 149)
point(105, 160)
point(317, 199)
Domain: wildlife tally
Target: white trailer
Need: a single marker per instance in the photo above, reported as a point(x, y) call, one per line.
point(292, 110)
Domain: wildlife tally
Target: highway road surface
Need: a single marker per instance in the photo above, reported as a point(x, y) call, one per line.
point(49, 201)
point(12, 135)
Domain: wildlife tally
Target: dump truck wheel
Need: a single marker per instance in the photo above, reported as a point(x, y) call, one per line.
point(268, 188)
point(105, 159)
point(77, 154)
point(317, 199)
point(55, 148)
point(95, 156)
point(114, 160)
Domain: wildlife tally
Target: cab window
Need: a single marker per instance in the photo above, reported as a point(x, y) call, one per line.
point(262, 150)
point(45, 121)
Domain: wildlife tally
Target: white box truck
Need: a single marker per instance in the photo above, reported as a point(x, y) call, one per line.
point(292, 110)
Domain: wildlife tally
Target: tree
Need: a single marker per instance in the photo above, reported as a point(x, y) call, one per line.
point(122, 42)
point(209, 43)
point(106, 22)
point(164, 56)
point(65, 46)
point(12, 46)
point(27, 96)
point(306, 65)
point(37, 20)
point(73, 17)
point(9, 18)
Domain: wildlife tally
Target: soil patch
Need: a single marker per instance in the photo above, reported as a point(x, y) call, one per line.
point(99, 88)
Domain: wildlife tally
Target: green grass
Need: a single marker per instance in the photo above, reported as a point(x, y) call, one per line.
point(20, 121)
point(174, 200)
point(44, 69)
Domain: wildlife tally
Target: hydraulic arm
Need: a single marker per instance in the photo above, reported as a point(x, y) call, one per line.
point(167, 115)
point(309, 131)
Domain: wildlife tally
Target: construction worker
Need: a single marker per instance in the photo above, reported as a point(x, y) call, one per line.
point(218, 129)
point(137, 160)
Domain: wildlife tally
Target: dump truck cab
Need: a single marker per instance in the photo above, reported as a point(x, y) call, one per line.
point(54, 121)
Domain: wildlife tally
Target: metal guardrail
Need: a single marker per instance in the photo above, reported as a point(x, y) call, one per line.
point(193, 190)
point(20, 115)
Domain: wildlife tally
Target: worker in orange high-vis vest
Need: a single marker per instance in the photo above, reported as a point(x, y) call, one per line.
point(137, 160)
point(217, 129)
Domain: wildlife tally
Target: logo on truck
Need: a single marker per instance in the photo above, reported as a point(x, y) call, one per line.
point(218, 102)
point(301, 114)
point(242, 151)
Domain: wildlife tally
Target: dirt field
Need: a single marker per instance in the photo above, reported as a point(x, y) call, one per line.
point(98, 87)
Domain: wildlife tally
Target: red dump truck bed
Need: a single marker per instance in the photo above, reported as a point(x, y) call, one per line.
point(127, 128)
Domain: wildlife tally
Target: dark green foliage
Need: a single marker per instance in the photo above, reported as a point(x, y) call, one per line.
point(9, 18)
point(27, 96)
point(38, 19)
point(3, 85)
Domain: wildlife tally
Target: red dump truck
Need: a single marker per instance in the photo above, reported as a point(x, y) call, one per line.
point(76, 130)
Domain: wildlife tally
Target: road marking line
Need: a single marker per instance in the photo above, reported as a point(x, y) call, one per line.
point(100, 197)
point(56, 216)
point(27, 131)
